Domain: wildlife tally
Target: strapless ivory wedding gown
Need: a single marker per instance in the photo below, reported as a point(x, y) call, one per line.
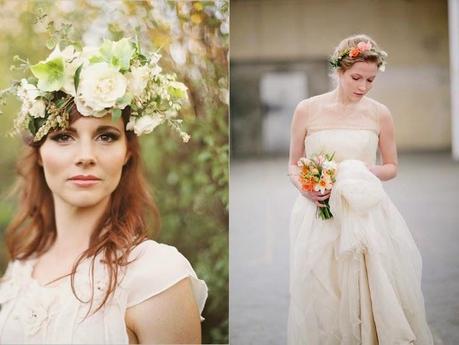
point(355, 278)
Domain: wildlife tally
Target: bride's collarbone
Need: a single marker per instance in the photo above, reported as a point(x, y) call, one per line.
point(48, 271)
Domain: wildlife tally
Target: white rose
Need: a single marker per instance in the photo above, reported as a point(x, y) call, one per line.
point(38, 109)
point(143, 125)
point(100, 86)
point(84, 110)
point(138, 79)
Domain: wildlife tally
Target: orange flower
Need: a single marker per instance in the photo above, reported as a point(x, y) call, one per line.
point(307, 185)
point(354, 52)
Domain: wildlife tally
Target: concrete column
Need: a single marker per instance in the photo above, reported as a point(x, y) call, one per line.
point(453, 18)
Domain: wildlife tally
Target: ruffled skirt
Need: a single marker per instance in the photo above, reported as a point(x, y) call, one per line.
point(371, 295)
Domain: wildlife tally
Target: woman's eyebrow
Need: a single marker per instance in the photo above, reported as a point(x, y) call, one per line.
point(359, 75)
point(68, 129)
point(105, 128)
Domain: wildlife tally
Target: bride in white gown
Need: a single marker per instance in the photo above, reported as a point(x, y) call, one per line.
point(354, 278)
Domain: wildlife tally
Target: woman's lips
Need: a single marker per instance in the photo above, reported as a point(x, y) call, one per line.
point(84, 180)
point(358, 94)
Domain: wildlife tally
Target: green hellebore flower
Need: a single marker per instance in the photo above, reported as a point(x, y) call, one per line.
point(118, 54)
point(50, 74)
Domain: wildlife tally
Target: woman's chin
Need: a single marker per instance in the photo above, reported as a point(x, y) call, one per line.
point(84, 200)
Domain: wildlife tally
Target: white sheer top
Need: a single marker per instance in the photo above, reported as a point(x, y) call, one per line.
point(35, 314)
point(350, 132)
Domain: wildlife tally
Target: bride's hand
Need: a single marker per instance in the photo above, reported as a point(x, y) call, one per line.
point(316, 197)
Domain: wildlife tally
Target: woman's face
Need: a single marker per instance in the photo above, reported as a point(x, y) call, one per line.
point(358, 80)
point(83, 164)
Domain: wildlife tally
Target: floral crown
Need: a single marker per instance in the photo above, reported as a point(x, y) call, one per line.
point(98, 81)
point(355, 52)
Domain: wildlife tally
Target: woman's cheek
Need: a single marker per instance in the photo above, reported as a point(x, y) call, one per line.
point(54, 163)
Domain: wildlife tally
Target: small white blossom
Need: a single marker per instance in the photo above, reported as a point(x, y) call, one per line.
point(38, 109)
point(28, 92)
point(137, 79)
point(144, 124)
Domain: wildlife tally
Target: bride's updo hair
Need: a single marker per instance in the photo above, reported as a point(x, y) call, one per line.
point(346, 54)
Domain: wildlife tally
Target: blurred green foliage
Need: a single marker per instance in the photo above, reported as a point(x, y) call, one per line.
point(190, 181)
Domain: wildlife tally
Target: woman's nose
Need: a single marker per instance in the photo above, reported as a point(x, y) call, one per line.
point(85, 156)
point(362, 86)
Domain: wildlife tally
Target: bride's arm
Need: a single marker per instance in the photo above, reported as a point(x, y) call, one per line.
point(387, 148)
point(171, 317)
point(297, 136)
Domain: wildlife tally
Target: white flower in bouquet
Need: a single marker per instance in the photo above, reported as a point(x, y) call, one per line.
point(138, 79)
point(101, 85)
point(325, 183)
point(329, 165)
point(28, 92)
point(38, 109)
point(145, 124)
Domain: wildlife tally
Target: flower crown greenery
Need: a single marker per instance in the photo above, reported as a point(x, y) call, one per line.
point(99, 81)
point(355, 52)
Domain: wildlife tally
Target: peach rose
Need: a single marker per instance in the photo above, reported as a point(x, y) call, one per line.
point(354, 52)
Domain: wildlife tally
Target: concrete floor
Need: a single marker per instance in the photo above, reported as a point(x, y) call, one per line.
point(261, 196)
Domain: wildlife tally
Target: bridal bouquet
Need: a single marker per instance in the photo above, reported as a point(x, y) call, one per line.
point(318, 174)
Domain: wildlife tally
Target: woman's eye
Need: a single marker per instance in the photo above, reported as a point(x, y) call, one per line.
point(355, 78)
point(370, 81)
point(108, 137)
point(61, 138)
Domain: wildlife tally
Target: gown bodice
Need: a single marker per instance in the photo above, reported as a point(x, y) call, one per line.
point(346, 143)
point(351, 132)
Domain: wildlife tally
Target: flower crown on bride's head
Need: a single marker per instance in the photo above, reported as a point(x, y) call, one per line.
point(358, 51)
point(98, 81)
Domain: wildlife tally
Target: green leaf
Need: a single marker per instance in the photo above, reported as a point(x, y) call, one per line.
point(116, 114)
point(35, 124)
point(32, 128)
point(50, 74)
point(77, 77)
point(125, 100)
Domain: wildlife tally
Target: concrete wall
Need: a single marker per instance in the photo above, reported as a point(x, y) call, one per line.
point(415, 85)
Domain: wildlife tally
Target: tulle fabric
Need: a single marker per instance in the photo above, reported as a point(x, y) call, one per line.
point(356, 278)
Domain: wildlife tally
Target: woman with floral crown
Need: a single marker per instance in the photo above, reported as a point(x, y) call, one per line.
point(82, 269)
point(355, 270)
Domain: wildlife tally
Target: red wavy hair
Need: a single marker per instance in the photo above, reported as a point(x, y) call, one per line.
point(130, 212)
